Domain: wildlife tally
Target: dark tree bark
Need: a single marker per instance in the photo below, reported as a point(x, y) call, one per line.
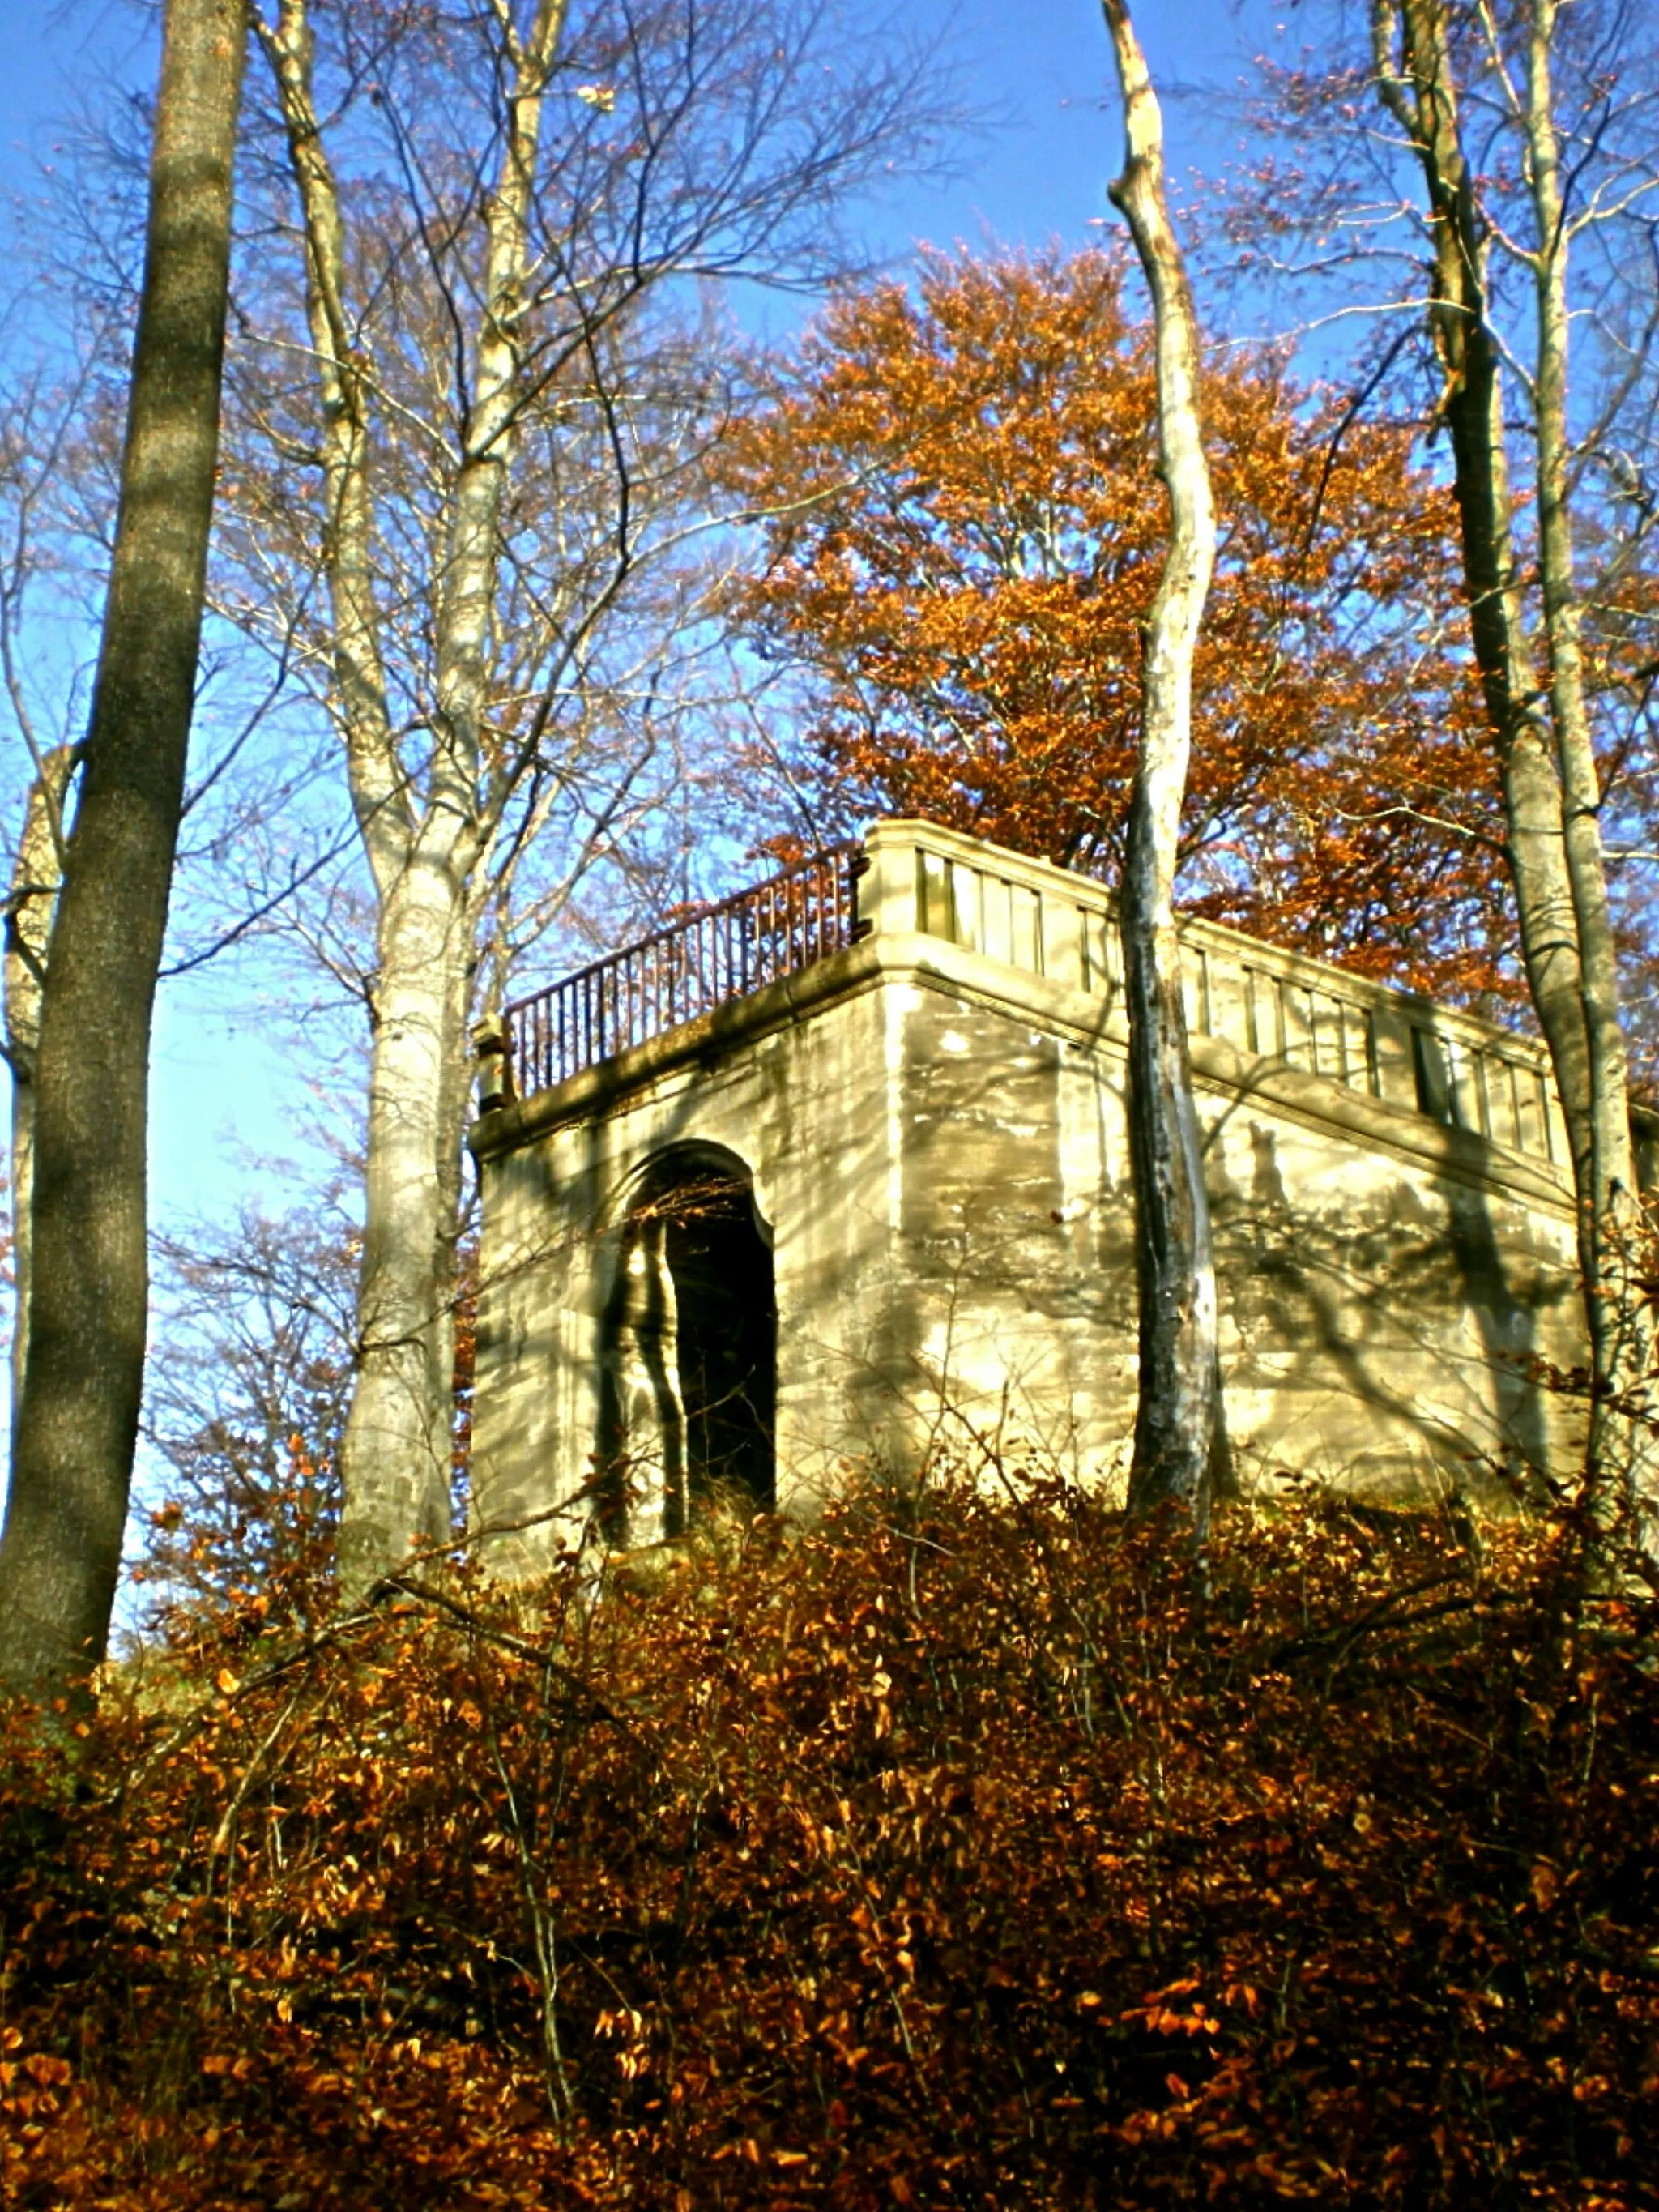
point(60, 1552)
point(1540, 730)
point(1178, 1403)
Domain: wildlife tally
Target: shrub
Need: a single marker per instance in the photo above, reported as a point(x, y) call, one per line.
point(955, 1852)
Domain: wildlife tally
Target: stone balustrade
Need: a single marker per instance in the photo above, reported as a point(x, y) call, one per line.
point(1393, 1045)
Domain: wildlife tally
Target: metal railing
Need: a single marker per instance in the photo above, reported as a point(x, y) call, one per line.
point(723, 952)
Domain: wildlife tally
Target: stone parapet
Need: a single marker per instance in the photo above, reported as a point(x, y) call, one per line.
point(1265, 1002)
point(1039, 940)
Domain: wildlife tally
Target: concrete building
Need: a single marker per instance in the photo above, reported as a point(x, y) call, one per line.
point(837, 1175)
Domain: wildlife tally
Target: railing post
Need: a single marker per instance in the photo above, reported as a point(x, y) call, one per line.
point(1060, 934)
point(494, 1067)
point(1396, 1059)
point(1229, 1015)
point(887, 888)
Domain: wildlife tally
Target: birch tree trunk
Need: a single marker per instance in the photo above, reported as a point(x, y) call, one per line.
point(1609, 1211)
point(1178, 1404)
point(1541, 733)
point(60, 1553)
point(36, 874)
point(428, 856)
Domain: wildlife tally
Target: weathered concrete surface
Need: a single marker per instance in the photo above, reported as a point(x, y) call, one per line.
point(933, 1123)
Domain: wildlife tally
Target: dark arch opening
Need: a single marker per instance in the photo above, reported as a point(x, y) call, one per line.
point(689, 1409)
point(721, 1268)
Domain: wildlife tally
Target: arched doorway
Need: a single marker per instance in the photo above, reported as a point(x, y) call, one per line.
point(689, 1387)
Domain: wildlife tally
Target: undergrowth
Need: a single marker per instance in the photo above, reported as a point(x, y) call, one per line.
point(963, 1853)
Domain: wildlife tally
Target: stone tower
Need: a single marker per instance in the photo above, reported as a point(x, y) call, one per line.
point(835, 1175)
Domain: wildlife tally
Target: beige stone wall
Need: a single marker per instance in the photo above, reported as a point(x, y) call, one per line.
point(802, 1107)
point(933, 1121)
point(1379, 1304)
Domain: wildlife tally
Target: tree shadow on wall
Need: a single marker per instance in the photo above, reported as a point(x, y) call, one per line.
point(687, 1392)
point(1375, 1290)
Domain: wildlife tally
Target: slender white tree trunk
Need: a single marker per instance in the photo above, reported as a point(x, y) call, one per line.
point(384, 805)
point(396, 1451)
point(1611, 1228)
point(1178, 1407)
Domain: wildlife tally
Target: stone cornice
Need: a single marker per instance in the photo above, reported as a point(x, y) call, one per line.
point(900, 958)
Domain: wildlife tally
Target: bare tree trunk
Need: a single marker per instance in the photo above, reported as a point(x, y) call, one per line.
point(61, 1550)
point(36, 874)
point(482, 299)
point(429, 861)
point(1422, 95)
point(397, 1435)
point(395, 1460)
point(1609, 1211)
point(1178, 1402)
point(1541, 735)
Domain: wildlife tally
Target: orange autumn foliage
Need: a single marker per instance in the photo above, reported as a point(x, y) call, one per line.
point(961, 528)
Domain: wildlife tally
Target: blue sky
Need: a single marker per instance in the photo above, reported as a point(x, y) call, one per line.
point(1037, 169)
point(1046, 67)
point(1044, 70)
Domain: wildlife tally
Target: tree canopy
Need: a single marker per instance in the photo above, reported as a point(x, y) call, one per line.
point(960, 529)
